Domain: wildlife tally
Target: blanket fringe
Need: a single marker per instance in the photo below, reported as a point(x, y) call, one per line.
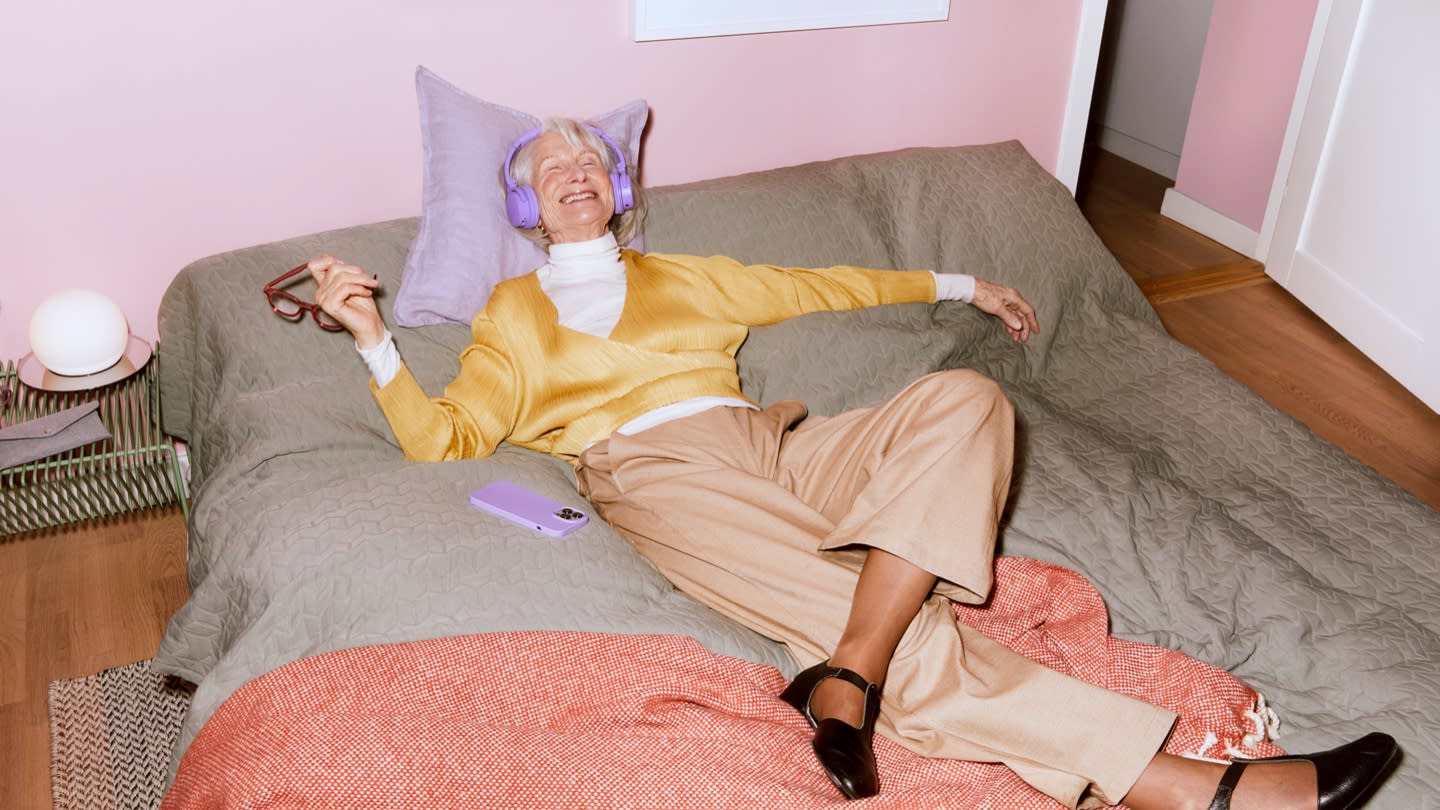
point(1266, 721)
point(1206, 744)
point(1266, 725)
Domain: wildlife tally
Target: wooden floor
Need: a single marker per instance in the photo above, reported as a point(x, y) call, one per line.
point(72, 603)
point(1222, 304)
point(77, 601)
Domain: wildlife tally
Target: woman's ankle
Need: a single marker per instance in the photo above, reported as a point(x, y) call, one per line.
point(838, 699)
point(1174, 783)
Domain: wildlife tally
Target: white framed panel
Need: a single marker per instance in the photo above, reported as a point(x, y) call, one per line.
point(683, 19)
point(1352, 235)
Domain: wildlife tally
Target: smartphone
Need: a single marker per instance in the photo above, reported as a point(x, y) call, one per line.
point(529, 509)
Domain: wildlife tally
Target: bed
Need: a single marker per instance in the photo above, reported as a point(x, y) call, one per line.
point(330, 576)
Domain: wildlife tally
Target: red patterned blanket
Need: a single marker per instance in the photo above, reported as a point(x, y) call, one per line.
point(582, 720)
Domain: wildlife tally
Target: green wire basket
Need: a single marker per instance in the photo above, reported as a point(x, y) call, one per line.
point(136, 468)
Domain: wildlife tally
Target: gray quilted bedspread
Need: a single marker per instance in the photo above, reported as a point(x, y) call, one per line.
point(1211, 523)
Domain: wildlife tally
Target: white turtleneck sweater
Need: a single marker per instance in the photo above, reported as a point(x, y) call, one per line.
point(586, 283)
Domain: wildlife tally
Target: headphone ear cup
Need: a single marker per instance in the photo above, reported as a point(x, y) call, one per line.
point(623, 191)
point(522, 207)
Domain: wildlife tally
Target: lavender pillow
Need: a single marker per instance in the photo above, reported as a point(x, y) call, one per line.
point(466, 245)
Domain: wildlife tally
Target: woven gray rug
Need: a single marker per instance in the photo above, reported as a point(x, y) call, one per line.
point(111, 735)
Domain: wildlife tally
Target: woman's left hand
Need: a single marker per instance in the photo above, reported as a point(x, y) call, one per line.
point(1007, 304)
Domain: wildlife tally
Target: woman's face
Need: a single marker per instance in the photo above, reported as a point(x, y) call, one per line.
point(576, 201)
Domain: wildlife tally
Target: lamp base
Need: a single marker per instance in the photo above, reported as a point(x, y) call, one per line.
point(35, 375)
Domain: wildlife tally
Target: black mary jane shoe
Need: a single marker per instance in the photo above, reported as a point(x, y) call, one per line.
point(845, 752)
point(1344, 776)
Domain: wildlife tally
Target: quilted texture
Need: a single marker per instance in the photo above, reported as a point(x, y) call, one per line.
point(646, 721)
point(1210, 522)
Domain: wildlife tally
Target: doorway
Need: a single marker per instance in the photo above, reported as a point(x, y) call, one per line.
point(1145, 80)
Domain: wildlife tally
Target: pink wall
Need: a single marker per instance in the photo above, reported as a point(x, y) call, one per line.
point(139, 137)
point(1246, 88)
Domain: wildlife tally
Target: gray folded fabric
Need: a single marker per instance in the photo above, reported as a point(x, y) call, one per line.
point(51, 434)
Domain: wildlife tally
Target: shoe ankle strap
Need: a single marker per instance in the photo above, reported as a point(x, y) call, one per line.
point(1226, 788)
point(850, 676)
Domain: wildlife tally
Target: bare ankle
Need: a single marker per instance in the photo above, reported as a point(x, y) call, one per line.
point(838, 699)
point(1178, 783)
point(864, 660)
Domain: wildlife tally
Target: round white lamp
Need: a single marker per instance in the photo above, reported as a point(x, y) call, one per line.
point(78, 332)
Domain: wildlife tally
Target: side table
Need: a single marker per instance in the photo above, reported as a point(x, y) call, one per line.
point(136, 468)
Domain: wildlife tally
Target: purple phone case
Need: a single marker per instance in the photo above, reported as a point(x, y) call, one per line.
point(529, 509)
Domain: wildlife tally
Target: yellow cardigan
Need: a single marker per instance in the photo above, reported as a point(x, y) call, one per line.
point(529, 380)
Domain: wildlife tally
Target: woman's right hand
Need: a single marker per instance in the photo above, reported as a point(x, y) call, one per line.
point(347, 294)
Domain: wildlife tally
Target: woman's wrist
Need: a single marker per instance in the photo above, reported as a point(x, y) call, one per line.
point(382, 358)
point(954, 287)
point(371, 338)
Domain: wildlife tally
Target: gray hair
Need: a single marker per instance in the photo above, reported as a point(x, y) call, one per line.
point(625, 226)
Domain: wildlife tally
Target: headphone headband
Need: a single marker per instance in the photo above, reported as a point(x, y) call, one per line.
point(523, 207)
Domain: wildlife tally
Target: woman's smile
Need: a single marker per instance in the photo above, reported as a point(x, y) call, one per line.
point(573, 187)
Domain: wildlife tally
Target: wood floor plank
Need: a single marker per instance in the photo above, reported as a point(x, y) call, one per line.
point(24, 759)
point(1203, 281)
point(1265, 338)
point(14, 595)
point(92, 597)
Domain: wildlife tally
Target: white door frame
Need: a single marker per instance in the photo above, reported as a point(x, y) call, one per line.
point(1082, 89)
point(1323, 103)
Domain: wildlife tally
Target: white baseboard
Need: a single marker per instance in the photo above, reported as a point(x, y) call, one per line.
point(1137, 151)
point(1199, 217)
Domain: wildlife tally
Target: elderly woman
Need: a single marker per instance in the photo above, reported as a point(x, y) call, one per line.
point(845, 537)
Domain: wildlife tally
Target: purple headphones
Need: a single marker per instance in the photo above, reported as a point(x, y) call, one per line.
point(524, 208)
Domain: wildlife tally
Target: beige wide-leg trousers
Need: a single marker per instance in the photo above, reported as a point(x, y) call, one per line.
point(767, 516)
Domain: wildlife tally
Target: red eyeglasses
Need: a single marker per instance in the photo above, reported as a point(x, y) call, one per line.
point(291, 308)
